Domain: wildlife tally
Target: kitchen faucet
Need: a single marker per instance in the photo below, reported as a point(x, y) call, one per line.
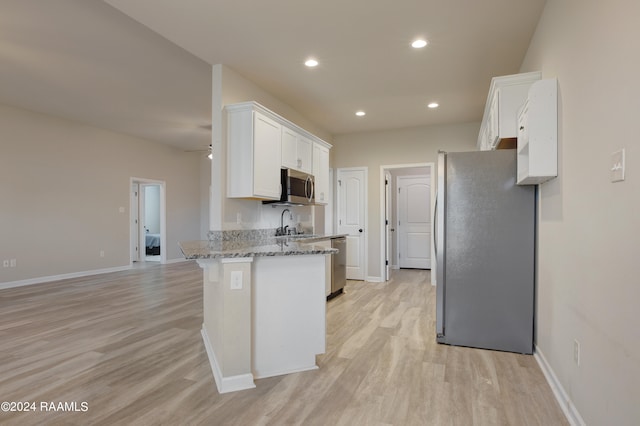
point(283, 229)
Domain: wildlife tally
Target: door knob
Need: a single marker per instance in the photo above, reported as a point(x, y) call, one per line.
point(360, 230)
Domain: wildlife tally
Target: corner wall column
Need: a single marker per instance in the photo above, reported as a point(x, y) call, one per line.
point(226, 330)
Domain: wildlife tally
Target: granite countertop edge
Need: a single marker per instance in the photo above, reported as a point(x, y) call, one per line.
point(277, 246)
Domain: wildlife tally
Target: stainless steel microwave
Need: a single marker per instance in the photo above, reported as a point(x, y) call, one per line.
point(298, 188)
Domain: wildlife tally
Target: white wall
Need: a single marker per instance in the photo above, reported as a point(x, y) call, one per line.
point(61, 188)
point(205, 193)
point(230, 87)
point(589, 229)
point(404, 146)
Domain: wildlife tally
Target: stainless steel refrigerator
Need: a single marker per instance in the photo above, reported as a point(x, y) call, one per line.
point(485, 252)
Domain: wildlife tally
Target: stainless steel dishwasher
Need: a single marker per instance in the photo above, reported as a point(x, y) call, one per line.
point(338, 266)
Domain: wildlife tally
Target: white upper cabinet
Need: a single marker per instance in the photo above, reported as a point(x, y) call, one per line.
point(321, 172)
point(305, 155)
point(538, 134)
point(260, 143)
point(266, 152)
point(253, 161)
point(297, 151)
point(506, 96)
point(289, 148)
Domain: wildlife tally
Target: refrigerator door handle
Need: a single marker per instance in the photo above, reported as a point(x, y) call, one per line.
point(435, 227)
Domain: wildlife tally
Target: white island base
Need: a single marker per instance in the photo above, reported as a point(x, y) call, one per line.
point(263, 317)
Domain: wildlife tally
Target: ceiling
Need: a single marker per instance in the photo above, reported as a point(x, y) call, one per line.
point(142, 67)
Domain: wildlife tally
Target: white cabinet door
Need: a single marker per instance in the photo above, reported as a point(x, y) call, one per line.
point(494, 121)
point(304, 161)
point(297, 151)
point(321, 173)
point(253, 154)
point(289, 148)
point(266, 154)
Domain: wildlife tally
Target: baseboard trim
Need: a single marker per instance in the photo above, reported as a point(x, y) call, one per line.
point(50, 278)
point(178, 260)
point(280, 373)
point(225, 384)
point(374, 279)
point(570, 411)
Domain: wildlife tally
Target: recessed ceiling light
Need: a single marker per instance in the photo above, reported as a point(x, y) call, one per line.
point(418, 44)
point(360, 113)
point(311, 63)
point(433, 105)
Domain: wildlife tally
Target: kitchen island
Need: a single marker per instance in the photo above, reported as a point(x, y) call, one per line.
point(263, 304)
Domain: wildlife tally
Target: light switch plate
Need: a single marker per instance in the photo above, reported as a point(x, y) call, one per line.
point(236, 280)
point(617, 166)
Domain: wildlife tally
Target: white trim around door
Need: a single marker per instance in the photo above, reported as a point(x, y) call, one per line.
point(383, 245)
point(135, 182)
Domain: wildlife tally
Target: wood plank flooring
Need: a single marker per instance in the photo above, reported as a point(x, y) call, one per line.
point(128, 344)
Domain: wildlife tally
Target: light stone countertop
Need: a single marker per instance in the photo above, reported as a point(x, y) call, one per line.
point(318, 237)
point(275, 246)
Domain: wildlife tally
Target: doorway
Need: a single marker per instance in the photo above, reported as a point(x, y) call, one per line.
point(148, 221)
point(407, 194)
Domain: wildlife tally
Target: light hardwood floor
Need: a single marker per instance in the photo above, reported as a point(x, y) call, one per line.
point(129, 344)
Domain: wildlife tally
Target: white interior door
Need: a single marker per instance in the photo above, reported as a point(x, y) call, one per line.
point(135, 230)
point(149, 217)
point(352, 189)
point(414, 222)
point(142, 243)
point(387, 224)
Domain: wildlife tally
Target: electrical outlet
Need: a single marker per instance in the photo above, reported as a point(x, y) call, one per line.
point(236, 280)
point(101, 253)
point(5, 263)
point(12, 262)
point(576, 352)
